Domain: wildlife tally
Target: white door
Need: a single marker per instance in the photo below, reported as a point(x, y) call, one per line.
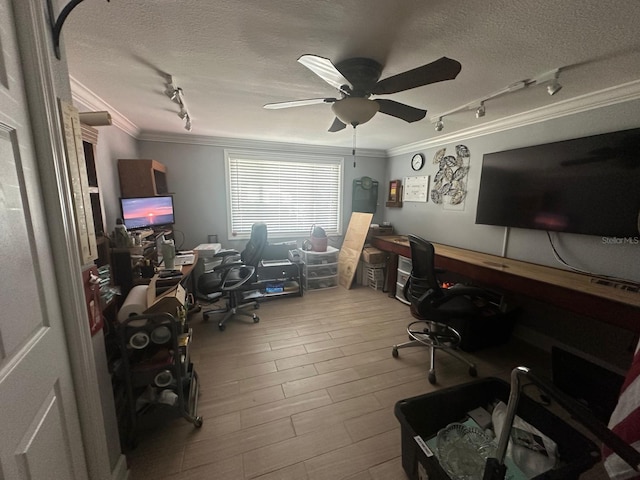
point(40, 431)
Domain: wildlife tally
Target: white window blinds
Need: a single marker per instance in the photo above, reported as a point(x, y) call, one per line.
point(288, 193)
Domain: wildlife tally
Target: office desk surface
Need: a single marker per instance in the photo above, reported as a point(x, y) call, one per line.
point(574, 291)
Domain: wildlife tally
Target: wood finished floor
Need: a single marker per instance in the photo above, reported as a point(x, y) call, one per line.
point(308, 393)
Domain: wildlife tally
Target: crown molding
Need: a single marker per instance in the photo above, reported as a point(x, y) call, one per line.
point(603, 98)
point(610, 96)
point(228, 142)
point(88, 99)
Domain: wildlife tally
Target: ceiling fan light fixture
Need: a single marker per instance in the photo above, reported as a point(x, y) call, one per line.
point(355, 110)
point(439, 125)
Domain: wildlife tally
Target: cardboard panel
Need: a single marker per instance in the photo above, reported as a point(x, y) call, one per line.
point(352, 247)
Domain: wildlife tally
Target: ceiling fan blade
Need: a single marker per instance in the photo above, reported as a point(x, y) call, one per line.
point(326, 70)
point(299, 103)
point(442, 69)
point(400, 110)
point(337, 125)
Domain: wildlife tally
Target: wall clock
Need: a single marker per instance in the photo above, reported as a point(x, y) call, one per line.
point(417, 161)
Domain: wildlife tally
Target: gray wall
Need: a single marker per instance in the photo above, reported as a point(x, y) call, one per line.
point(113, 144)
point(457, 228)
point(196, 175)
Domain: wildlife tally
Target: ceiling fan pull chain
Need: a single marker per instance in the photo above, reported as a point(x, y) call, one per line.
point(353, 150)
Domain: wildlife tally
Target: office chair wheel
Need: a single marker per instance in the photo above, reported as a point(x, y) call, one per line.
point(394, 352)
point(221, 327)
point(256, 318)
point(473, 371)
point(197, 422)
point(432, 377)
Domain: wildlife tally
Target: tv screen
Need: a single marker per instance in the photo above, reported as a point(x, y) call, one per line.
point(147, 212)
point(588, 185)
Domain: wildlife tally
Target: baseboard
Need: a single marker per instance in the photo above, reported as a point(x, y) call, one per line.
point(121, 471)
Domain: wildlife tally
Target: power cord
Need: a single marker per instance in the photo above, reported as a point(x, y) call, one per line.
point(592, 274)
point(562, 261)
point(179, 247)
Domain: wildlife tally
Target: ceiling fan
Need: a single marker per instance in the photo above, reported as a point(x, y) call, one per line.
point(357, 79)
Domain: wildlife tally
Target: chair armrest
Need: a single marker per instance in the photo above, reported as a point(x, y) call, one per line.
point(227, 265)
point(238, 283)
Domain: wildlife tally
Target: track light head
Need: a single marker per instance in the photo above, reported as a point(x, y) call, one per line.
point(176, 95)
point(439, 125)
point(480, 111)
point(554, 88)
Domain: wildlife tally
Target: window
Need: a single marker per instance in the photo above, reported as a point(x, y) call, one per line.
point(290, 193)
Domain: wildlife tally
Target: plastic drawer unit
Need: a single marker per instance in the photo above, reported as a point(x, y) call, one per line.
point(320, 269)
point(404, 271)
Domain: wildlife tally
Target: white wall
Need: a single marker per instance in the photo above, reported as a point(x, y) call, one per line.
point(196, 175)
point(458, 228)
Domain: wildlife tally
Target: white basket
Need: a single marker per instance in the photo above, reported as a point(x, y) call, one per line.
point(375, 278)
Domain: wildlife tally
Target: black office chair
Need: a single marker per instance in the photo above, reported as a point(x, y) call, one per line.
point(434, 307)
point(234, 276)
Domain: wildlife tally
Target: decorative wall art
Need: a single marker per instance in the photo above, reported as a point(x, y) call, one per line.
point(449, 184)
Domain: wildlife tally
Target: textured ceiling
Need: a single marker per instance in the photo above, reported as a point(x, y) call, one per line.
point(230, 57)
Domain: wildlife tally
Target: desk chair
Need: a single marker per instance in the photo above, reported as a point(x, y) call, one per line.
point(434, 307)
point(229, 279)
point(234, 276)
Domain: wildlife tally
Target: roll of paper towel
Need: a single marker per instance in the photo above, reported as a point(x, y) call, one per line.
point(135, 303)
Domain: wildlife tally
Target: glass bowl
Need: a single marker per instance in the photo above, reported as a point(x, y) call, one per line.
point(463, 451)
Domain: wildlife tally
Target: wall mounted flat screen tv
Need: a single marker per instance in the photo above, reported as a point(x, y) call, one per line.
point(147, 212)
point(588, 185)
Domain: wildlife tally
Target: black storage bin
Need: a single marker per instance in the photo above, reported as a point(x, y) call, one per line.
point(425, 415)
point(484, 331)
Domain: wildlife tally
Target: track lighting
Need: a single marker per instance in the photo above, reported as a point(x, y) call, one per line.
point(550, 79)
point(554, 87)
point(176, 95)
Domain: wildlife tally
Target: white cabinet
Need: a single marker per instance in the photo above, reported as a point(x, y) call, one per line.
point(320, 269)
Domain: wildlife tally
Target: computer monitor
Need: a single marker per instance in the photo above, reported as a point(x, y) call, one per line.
point(147, 212)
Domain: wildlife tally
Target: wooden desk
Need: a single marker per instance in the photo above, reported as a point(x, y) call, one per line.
point(185, 271)
point(565, 289)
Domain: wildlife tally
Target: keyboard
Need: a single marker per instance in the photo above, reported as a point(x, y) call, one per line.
point(184, 259)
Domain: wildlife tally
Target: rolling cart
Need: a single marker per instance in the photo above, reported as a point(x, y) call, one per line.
point(159, 378)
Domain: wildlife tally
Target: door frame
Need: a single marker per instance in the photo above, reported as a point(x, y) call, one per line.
point(47, 78)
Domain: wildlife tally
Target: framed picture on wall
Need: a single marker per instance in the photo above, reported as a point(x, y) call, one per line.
point(395, 194)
